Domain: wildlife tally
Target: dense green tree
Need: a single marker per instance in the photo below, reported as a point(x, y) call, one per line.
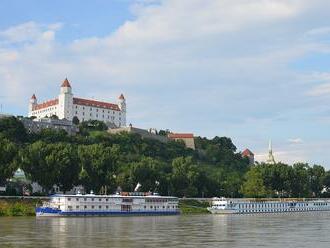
point(254, 184)
point(8, 154)
point(12, 129)
point(75, 120)
point(99, 163)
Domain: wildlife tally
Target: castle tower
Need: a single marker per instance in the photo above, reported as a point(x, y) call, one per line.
point(33, 102)
point(122, 106)
point(65, 101)
point(270, 159)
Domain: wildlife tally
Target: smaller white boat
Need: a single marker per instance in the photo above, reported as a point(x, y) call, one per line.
point(267, 205)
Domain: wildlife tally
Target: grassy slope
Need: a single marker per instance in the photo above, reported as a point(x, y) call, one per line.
point(17, 207)
point(193, 207)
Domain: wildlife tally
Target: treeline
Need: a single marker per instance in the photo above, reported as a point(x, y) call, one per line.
point(99, 160)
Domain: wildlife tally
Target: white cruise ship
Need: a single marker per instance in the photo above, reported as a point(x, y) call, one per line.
point(135, 203)
point(253, 206)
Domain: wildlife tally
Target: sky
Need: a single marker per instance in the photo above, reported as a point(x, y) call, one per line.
point(251, 70)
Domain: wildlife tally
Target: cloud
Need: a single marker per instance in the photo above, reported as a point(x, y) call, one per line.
point(320, 90)
point(211, 67)
point(295, 141)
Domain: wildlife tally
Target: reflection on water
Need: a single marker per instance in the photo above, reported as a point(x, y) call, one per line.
point(268, 230)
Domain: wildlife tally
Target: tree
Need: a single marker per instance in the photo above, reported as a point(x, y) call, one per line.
point(254, 184)
point(99, 163)
point(13, 129)
point(38, 164)
point(316, 174)
point(50, 164)
point(75, 120)
point(8, 153)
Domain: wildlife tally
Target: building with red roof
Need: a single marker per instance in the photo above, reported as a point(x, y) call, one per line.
point(187, 138)
point(66, 106)
point(248, 154)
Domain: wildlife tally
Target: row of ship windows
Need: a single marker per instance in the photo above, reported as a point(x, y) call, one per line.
point(277, 210)
point(271, 205)
point(278, 205)
point(123, 200)
point(107, 207)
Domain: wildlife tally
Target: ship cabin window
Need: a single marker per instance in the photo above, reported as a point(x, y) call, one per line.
point(100, 206)
point(92, 199)
point(77, 206)
point(100, 199)
point(92, 207)
point(107, 199)
point(150, 206)
point(85, 206)
point(107, 206)
point(69, 199)
point(77, 199)
point(85, 199)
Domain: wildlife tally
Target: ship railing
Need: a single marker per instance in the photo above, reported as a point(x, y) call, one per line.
point(238, 200)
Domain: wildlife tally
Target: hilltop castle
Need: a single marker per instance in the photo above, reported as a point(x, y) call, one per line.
point(66, 106)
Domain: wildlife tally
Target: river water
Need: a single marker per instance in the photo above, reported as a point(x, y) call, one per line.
point(261, 230)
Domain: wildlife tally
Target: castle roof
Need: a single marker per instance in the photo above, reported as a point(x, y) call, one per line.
point(121, 97)
point(247, 153)
point(33, 97)
point(93, 103)
point(46, 104)
point(66, 83)
point(181, 135)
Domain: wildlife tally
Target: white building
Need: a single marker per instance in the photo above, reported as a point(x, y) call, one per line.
point(66, 106)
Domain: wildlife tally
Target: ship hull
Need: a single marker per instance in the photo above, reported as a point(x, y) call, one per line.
point(48, 212)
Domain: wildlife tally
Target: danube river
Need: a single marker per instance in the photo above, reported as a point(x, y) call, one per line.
point(264, 230)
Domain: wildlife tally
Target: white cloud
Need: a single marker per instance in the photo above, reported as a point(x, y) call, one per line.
point(320, 90)
point(295, 141)
point(204, 65)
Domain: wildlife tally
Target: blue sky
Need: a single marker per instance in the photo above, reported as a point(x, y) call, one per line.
point(251, 70)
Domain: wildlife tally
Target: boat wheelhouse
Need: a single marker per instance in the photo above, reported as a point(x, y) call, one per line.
point(135, 203)
point(252, 206)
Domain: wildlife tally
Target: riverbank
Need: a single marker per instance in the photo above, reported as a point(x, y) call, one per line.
point(193, 207)
point(18, 207)
point(26, 207)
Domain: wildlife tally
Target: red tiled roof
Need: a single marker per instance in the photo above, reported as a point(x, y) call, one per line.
point(122, 97)
point(46, 104)
point(93, 103)
point(247, 152)
point(34, 97)
point(181, 135)
point(66, 83)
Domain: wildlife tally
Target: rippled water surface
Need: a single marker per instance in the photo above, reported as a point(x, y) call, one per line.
point(268, 230)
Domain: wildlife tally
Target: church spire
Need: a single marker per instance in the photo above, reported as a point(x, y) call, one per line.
point(270, 159)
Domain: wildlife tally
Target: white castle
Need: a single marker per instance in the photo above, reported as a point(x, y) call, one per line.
point(65, 106)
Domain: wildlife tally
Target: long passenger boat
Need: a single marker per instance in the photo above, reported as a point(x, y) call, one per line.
point(135, 203)
point(274, 205)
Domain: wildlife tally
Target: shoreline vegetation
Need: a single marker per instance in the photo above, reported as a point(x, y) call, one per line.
point(96, 160)
point(18, 207)
point(26, 207)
